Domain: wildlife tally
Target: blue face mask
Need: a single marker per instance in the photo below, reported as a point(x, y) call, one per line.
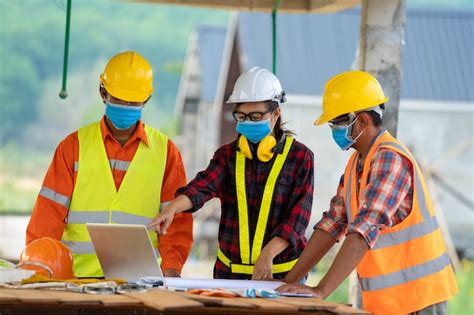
point(123, 116)
point(254, 131)
point(340, 134)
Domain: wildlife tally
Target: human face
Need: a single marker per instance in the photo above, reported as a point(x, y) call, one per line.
point(256, 111)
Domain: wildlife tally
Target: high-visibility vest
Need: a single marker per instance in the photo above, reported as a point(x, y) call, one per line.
point(249, 255)
point(408, 268)
point(95, 198)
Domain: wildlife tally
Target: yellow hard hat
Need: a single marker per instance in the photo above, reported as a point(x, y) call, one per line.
point(350, 92)
point(129, 77)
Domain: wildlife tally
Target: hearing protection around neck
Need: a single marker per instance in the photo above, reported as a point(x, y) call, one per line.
point(264, 151)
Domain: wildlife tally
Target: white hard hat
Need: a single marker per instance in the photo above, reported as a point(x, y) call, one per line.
point(257, 85)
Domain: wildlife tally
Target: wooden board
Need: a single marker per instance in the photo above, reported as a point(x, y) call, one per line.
point(315, 304)
point(4, 297)
point(219, 301)
point(163, 300)
point(31, 296)
point(73, 297)
point(307, 304)
point(271, 304)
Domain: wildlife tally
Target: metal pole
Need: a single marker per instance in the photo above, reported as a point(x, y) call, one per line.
point(63, 92)
point(274, 35)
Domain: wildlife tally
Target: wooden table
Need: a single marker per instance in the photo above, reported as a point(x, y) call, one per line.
point(50, 302)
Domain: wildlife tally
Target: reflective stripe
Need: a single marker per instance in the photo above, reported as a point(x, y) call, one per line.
point(83, 217)
point(248, 269)
point(244, 238)
point(114, 164)
point(119, 165)
point(54, 196)
point(267, 197)
point(80, 247)
point(127, 218)
point(349, 194)
point(410, 233)
point(405, 275)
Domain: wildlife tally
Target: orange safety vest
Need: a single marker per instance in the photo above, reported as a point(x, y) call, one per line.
point(408, 268)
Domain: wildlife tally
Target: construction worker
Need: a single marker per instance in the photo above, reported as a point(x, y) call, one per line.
point(118, 170)
point(264, 180)
point(383, 208)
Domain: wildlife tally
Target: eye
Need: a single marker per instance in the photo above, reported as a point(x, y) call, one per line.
point(255, 116)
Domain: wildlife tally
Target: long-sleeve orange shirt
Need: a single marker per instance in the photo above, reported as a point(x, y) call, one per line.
point(49, 217)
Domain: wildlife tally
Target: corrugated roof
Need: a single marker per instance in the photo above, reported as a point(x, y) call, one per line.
point(210, 45)
point(437, 65)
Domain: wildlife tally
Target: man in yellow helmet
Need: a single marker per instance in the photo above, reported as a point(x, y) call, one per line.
point(117, 170)
point(383, 208)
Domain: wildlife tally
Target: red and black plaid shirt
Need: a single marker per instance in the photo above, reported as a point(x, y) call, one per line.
point(289, 213)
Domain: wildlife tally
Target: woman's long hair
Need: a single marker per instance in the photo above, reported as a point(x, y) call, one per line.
point(279, 126)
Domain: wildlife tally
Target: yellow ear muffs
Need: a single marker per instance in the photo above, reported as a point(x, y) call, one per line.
point(244, 147)
point(265, 147)
point(264, 151)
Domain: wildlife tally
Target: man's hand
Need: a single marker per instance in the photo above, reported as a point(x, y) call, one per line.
point(300, 288)
point(172, 273)
point(263, 268)
point(162, 221)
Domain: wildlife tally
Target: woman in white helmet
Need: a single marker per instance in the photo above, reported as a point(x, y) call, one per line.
point(264, 180)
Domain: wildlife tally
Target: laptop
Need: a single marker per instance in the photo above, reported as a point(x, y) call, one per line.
point(125, 251)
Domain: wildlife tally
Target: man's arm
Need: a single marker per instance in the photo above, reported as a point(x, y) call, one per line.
point(351, 253)
point(319, 244)
point(174, 247)
point(52, 204)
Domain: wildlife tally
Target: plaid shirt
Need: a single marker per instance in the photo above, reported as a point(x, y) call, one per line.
point(289, 213)
point(386, 200)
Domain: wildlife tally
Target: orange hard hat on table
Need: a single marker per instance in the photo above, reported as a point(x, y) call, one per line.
point(48, 257)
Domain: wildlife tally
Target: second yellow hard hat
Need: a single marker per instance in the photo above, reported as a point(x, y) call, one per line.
point(350, 92)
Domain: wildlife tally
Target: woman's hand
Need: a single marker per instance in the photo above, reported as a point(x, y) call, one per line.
point(162, 221)
point(263, 268)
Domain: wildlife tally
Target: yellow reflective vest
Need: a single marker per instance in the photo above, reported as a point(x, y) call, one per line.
point(249, 255)
point(95, 198)
point(408, 268)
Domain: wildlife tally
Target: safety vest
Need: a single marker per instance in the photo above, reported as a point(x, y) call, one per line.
point(408, 268)
point(249, 255)
point(95, 198)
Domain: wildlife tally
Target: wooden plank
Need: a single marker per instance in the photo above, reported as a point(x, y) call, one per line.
point(219, 301)
point(31, 295)
point(87, 298)
point(162, 300)
point(345, 309)
point(4, 297)
point(73, 297)
point(271, 304)
point(119, 299)
point(307, 304)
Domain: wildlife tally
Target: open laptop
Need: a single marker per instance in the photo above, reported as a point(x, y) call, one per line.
point(124, 250)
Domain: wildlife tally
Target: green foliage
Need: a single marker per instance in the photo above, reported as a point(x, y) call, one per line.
point(463, 302)
point(32, 43)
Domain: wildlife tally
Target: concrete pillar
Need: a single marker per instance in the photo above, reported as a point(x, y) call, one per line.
point(380, 50)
